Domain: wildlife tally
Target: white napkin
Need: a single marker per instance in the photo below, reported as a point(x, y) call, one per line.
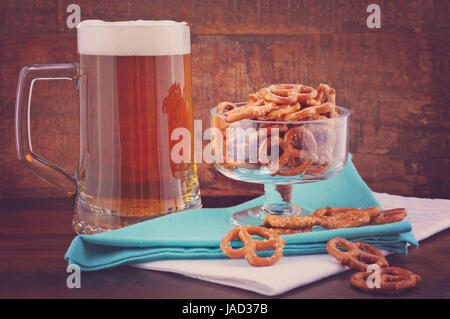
point(427, 217)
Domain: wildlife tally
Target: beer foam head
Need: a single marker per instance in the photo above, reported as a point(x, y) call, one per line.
point(133, 38)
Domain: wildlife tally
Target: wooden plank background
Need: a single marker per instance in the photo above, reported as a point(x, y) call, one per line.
point(394, 79)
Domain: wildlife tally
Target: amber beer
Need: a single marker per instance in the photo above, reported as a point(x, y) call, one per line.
point(135, 89)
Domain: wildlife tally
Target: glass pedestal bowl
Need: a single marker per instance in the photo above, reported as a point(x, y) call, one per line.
point(279, 155)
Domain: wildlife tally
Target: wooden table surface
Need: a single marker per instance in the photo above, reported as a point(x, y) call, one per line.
point(35, 234)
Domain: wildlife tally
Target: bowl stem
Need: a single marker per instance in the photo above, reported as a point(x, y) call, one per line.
point(278, 200)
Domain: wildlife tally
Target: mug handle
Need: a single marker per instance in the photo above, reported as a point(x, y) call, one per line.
point(43, 168)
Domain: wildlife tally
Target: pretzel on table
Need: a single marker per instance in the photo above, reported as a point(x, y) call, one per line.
point(390, 216)
point(391, 278)
point(329, 217)
point(353, 218)
point(251, 246)
point(331, 211)
point(357, 255)
point(292, 222)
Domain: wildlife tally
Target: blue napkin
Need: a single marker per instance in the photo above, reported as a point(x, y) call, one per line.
point(196, 234)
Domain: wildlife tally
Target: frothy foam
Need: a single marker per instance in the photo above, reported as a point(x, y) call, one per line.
point(133, 38)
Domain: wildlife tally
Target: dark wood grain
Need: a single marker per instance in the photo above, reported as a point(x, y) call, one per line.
point(35, 234)
point(393, 79)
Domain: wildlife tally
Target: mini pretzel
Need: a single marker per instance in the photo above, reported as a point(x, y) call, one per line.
point(323, 95)
point(347, 220)
point(306, 93)
point(353, 218)
point(292, 161)
point(391, 278)
point(224, 107)
point(251, 246)
point(299, 115)
point(282, 93)
point(324, 108)
point(252, 98)
point(310, 111)
point(298, 153)
point(344, 217)
point(331, 211)
point(318, 99)
point(241, 252)
point(331, 97)
point(248, 111)
point(355, 254)
point(269, 127)
point(291, 169)
point(278, 113)
point(315, 117)
point(291, 222)
point(281, 96)
point(300, 138)
point(286, 231)
point(390, 216)
point(284, 89)
point(323, 163)
point(317, 169)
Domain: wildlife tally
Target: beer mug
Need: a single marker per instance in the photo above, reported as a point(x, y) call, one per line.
point(134, 85)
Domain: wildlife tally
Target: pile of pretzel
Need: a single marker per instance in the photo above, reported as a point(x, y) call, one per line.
point(359, 256)
point(302, 150)
point(337, 217)
point(284, 102)
point(355, 255)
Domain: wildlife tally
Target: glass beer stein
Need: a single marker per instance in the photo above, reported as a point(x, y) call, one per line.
point(134, 85)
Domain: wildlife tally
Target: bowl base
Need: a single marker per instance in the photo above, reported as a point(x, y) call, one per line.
point(255, 216)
